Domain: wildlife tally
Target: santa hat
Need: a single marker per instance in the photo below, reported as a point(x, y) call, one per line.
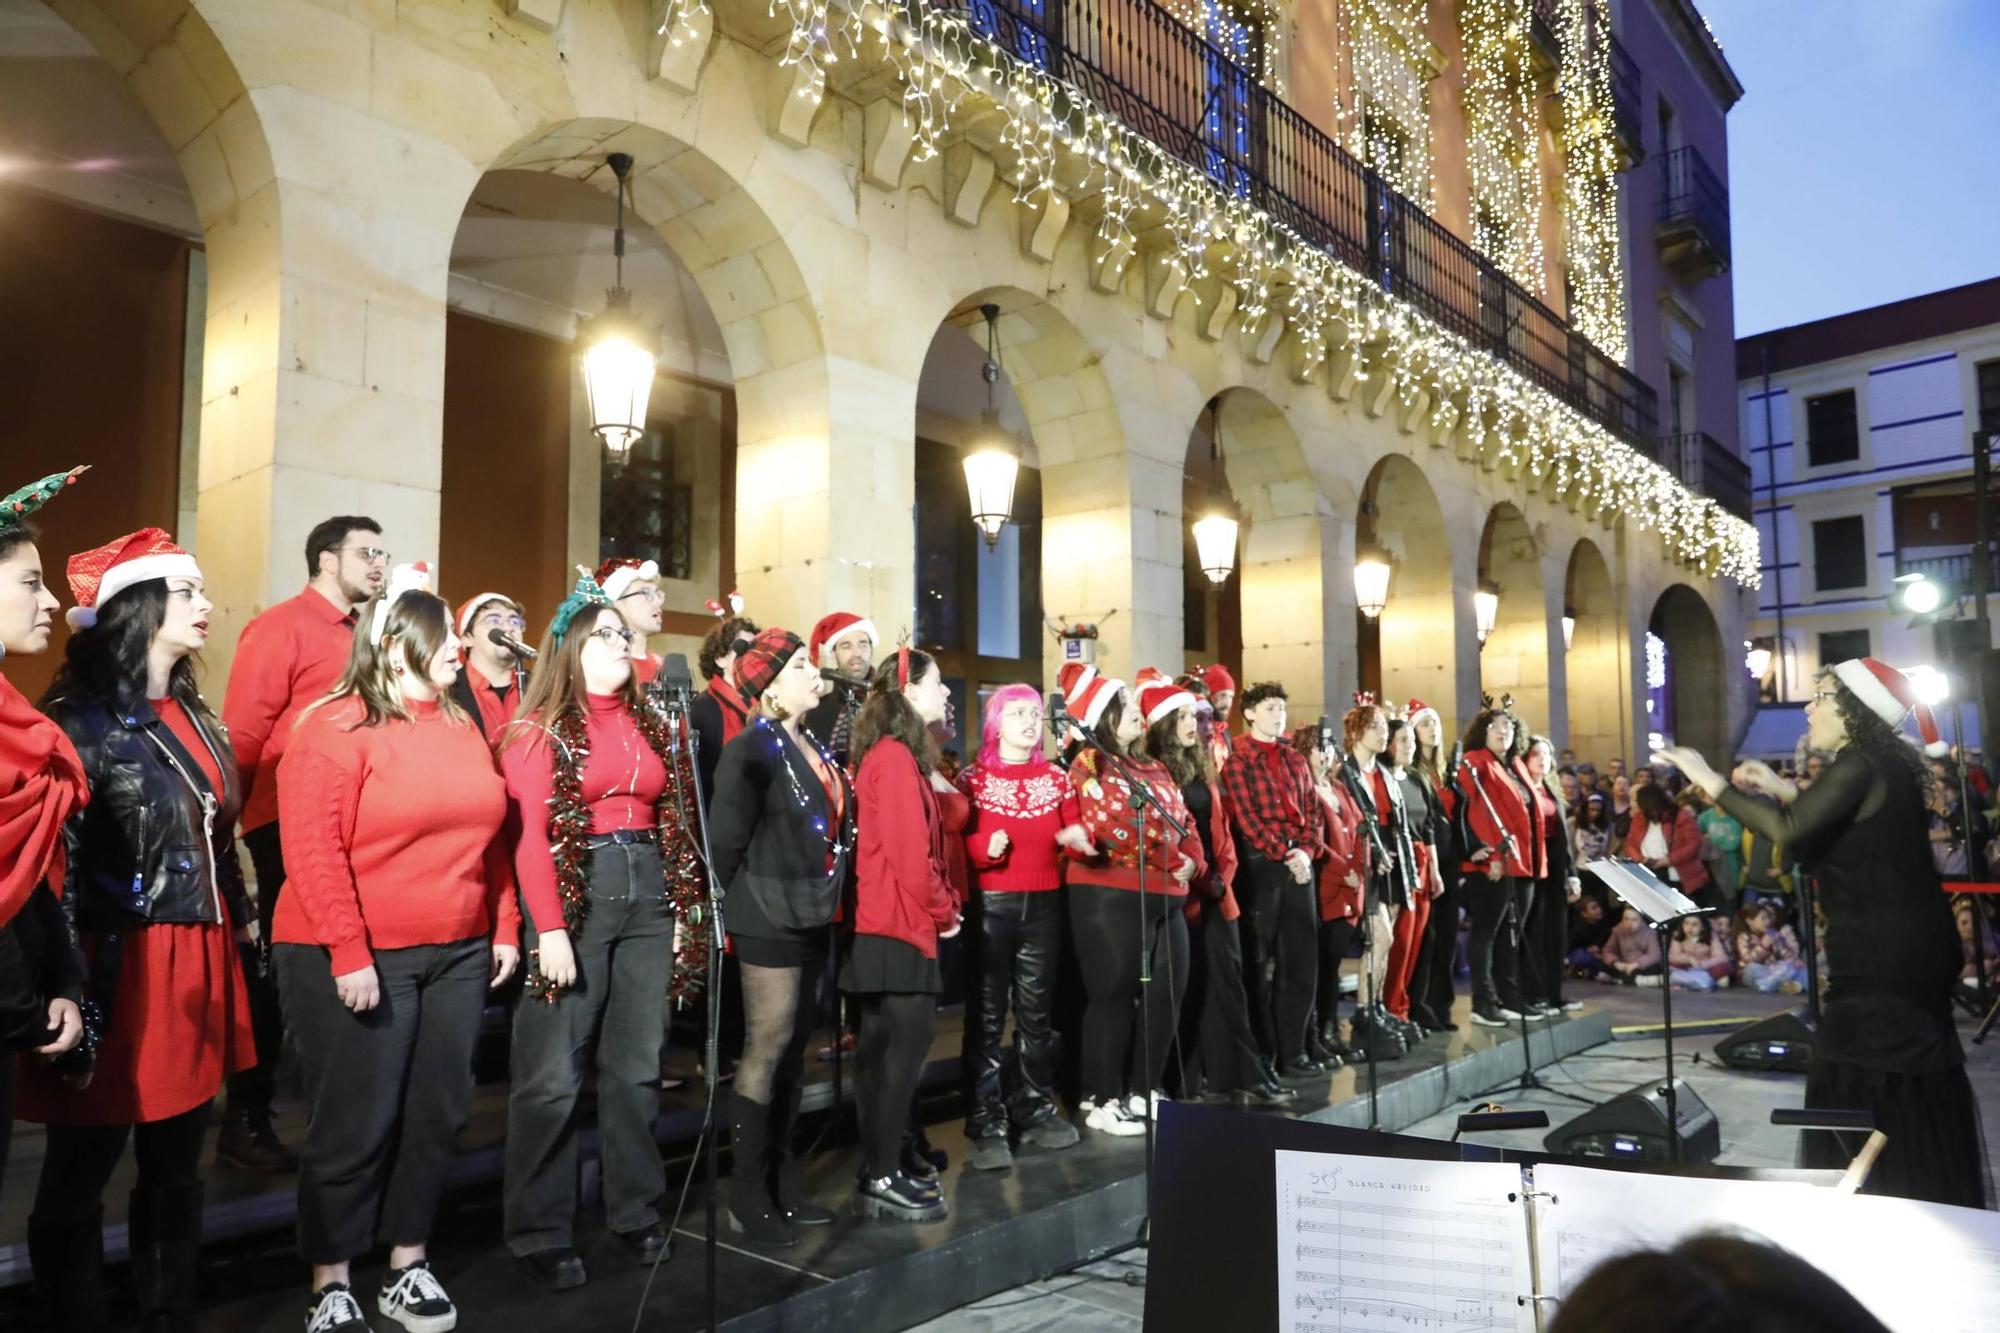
point(413, 577)
point(469, 609)
point(838, 625)
point(1085, 693)
point(1889, 695)
point(95, 577)
point(1218, 679)
point(1159, 697)
point(1417, 710)
point(617, 575)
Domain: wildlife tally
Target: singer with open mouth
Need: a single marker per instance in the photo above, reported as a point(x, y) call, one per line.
point(492, 627)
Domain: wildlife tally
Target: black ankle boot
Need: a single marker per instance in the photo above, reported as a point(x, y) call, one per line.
point(68, 1259)
point(751, 1210)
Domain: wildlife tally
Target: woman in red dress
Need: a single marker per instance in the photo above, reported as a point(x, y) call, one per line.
point(156, 892)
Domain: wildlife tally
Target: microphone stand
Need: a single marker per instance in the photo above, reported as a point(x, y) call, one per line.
point(1143, 800)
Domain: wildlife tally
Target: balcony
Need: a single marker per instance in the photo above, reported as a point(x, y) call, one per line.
point(1704, 464)
point(1953, 571)
point(1693, 230)
point(1136, 62)
point(1625, 104)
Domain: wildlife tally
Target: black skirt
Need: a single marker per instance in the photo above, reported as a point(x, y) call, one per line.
point(877, 964)
point(1935, 1150)
point(779, 948)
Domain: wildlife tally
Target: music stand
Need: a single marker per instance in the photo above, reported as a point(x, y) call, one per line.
point(1663, 906)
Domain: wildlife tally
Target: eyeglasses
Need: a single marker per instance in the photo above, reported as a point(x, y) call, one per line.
point(611, 636)
point(647, 591)
point(512, 624)
point(1021, 713)
point(1821, 696)
point(369, 554)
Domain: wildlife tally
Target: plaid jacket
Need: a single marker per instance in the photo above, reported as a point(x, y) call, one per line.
point(1272, 803)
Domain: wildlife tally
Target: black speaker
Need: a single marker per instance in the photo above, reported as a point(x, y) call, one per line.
point(1782, 1041)
point(1633, 1125)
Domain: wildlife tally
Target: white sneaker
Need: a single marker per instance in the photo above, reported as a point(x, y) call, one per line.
point(1653, 980)
point(415, 1299)
point(1572, 1006)
point(1137, 1106)
point(1111, 1118)
point(1511, 1015)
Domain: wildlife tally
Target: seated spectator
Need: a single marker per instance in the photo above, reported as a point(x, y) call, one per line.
point(1697, 957)
point(1572, 790)
point(1767, 951)
point(1712, 1283)
point(1631, 954)
point(1987, 945)
point(1589, 927)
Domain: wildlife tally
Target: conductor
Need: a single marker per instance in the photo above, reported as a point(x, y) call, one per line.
point(1887, 1042)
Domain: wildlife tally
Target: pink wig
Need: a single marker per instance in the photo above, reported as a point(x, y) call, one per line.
point(989, 729)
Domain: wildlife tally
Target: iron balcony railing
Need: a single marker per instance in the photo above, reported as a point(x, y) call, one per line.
point(1705, 464)
point(1177, 88)
point(1625, 98)
point(1692, 197)
point(1953, 571)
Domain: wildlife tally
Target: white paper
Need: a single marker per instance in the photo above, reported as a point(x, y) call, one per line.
point(1636, 886)
point(1384, 1245)
point(1919, 1267)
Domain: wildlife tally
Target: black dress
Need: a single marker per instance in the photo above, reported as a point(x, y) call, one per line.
point(1887, 1041)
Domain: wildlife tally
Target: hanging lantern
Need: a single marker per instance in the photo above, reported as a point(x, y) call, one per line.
point(1569, 629)
point(1215, 545)
point(994, 464)
point(1757, 660)
point(618, 354)
point(1371, 582)
point(1485, 610)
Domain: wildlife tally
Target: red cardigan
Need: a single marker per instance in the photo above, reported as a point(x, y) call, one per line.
point(1683, 847)
point(1481, 771)
point(902, 890)
point(1348, 852)
point(1112, 824)
point(392, 836)
point(286, 658)
point(1030, 803)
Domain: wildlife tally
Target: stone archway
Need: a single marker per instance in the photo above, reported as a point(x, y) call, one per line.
point(1686, 674)
point(1414, 648)
point(1515, 657)
point(1595, 665)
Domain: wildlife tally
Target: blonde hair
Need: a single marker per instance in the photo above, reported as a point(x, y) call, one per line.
point(420, 624)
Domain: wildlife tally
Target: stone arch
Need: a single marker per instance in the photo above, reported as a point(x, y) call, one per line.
point(1595, 663)
point(1411, 650)
point(1515, 657)
point(1687, 680)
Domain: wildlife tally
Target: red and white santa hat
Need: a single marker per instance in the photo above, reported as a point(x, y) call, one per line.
point(1417, 710)
point(617, 574)
point(1159, 696)
point(1889, 695)
point(468, 609)
point(95, 577)
point(838, 625)
point(1085, 693)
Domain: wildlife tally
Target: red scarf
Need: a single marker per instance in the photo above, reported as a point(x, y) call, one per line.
point(41, 786)
point(735, 709)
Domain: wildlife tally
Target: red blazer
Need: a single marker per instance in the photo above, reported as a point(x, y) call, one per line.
point(1683, 847)
point(1480, 771)
point(1339, 900)
point(902, 889)
point(1220, 878)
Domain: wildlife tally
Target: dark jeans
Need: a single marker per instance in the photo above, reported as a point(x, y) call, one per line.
point(1106, 925)
point(388, 1090)
point(1432, 986)
point(1015, 941)
point(895, 1036)
point(1281, 954)
point(1228, 1044)
point(1496, 907)
point(618, 1005)
point(251, 1089)
point(1545, 940)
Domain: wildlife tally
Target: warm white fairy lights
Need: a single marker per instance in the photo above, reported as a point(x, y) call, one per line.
point(1502, 137)
point(1249, 32)
point(1055, 141)
point(1384, 119)
point(1590, 169)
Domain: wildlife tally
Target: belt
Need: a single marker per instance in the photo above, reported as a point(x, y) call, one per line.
point(624, 837)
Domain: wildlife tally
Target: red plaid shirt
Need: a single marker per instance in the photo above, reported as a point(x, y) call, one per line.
point(1272, 803)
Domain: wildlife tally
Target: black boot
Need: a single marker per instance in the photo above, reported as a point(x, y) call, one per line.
point(165, 1240)
point(1317, 1048)
point(787, 1188)
point(68, 1259)
point(249, 1142)
point(1329, 1040)
point(751, 1211)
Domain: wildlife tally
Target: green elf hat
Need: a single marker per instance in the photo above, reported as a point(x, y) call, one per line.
point(585, 594)
point(15, 509)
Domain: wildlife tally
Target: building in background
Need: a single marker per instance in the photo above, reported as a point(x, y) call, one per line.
point(1426, 286)
point(1860, 431)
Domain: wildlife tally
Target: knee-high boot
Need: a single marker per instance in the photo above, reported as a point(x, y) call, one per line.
point(165, 1240)
point(787, 1185)
point(752, 1211)
point(68, 1258)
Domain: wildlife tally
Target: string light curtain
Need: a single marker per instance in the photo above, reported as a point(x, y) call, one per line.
point(1590, 175)
point(1249, 32)
point(1385, 117)
point(1502, 137)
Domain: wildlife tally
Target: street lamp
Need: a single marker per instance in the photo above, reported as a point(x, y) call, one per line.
point(618, 357)
point(1756, 659)
point(1371, 582)
point(1485, 609)
point(1931, 686)
point(1215, 545)
point(992, 467)
point(1917, 594)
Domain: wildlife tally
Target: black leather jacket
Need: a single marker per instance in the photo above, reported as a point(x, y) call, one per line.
point(155, 844)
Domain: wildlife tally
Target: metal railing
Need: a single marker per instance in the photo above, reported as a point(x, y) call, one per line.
point(1705, 464)
point(1144, 67)
point(1692, 196)
point(1954, 571)
point(1625, 98)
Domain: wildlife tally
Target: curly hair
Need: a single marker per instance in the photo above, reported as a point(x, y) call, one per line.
point(1866, 729)
point(887, 715)
point(1258, 693)
point(1482, 722)
point(1354, 725)
point(719, 642)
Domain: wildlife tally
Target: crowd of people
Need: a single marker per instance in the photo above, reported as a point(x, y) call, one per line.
point(1160, 882)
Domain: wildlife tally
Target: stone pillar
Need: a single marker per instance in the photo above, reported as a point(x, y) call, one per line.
point(1111, 553)
point(1298, 611)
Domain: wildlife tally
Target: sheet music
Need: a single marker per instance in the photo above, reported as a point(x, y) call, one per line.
point(1919, 1267)
point(1636, 886)
point(1385, 1245)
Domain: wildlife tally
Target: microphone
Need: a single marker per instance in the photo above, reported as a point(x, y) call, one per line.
point(1325, 732)
point(511, 644)
point(1058, 718)
point(673, 688)
point(848, 682)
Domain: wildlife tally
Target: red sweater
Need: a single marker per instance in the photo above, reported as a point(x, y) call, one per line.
point(1030, 803)
point(623, 781)
point(287, 657)
point(901, 888)
point(1106, 802)
point(392, 836)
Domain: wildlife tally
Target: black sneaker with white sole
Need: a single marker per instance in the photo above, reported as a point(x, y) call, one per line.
point(414, 1298)
point(334, 1310)
point(1491, 1017)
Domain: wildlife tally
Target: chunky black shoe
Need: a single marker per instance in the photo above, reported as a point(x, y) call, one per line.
point(897, 1199)
point(1275, 1094)
point(1052, 1131)
point(560, 1269)
point(920, 1166)
point(1322, 1054)
point(647, 1245)
point(248, 1142)
point(1300, 1068)
point(990, 1153)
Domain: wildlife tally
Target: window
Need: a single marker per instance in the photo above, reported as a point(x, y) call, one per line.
point(1841, 645)
point(1832, 435)
point(1225, 122)
point(1676, 400)
point(642, 508)
point(1670, 132)
point(1840, 553)
point(1989, 396)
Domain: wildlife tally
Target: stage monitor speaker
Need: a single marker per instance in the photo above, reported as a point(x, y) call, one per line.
point(1633, 1125)
point(1782, 1041)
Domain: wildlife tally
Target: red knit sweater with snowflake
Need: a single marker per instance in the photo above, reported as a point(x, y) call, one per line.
point(1030, 803)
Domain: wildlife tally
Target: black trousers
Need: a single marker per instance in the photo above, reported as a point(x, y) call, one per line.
point(388, 1090)
point(1106, 924)
point(1431, 985)
point(617, 1013)
point(1230, 1059)
point(1281, 954)
point(251, 1089)
point(1497, 908)
point(1015, 940)
point(895, 1036)
point(1334, 939)
point(80, 1160)
point(1545, 941)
